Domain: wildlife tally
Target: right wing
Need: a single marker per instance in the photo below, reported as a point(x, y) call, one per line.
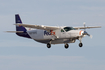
point(88, 27)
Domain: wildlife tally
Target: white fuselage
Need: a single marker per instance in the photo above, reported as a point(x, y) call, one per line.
point(62, 37)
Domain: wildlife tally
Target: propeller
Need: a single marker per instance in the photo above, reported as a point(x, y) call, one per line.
point(84, 26)
point(85, 33)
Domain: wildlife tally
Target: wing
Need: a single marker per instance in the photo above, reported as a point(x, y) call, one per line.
point(87, 27)
point(47, 28)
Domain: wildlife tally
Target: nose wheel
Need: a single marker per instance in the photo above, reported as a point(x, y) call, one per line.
point(80, 44)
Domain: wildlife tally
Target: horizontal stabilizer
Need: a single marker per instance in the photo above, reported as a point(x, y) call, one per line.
point(15, 31)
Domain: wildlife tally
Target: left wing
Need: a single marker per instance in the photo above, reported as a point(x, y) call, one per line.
point(47, 28)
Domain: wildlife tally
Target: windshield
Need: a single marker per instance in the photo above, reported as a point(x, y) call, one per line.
point(68, 29)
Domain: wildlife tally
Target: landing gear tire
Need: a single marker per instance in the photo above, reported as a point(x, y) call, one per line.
point(48, 45)
point(66, 46)
point(80, 44)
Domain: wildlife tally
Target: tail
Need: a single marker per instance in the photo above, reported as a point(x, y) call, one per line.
point(20, 28)
point(18, 20)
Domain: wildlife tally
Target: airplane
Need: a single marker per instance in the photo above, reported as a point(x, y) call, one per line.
point(51, 34)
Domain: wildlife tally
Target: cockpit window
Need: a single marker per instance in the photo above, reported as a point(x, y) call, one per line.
point(68, 29)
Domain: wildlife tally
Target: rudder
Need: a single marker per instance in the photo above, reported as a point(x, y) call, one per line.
point(19, 21)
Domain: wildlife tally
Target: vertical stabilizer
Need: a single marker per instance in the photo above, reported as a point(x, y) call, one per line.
point(19, 21)
point(20, 28)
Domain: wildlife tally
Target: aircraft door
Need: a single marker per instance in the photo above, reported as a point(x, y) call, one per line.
point(63, 34)
point(68, 34)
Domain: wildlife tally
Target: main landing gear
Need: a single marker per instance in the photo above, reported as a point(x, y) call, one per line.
point(48, 45)
point(66, 46)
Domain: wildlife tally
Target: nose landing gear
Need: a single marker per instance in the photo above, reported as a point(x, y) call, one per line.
point(80, 44)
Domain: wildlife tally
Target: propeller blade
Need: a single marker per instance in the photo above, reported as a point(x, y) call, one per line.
point(84, 25)
point(85, 33)
point(90, 35)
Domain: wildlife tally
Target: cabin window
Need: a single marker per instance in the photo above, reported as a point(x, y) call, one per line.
point(62, 30)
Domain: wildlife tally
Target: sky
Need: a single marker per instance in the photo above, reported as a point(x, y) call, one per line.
point(17, 53)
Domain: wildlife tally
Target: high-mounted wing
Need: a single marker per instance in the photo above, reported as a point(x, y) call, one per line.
point(47, 28)
point(87, 27)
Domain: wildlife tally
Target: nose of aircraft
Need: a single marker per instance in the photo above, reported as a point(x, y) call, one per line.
point(81, 32)
point(85, 33)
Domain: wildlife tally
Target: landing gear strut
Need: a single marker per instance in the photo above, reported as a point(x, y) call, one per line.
point(48, 45)
point(80, 44)
point(66, 46)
